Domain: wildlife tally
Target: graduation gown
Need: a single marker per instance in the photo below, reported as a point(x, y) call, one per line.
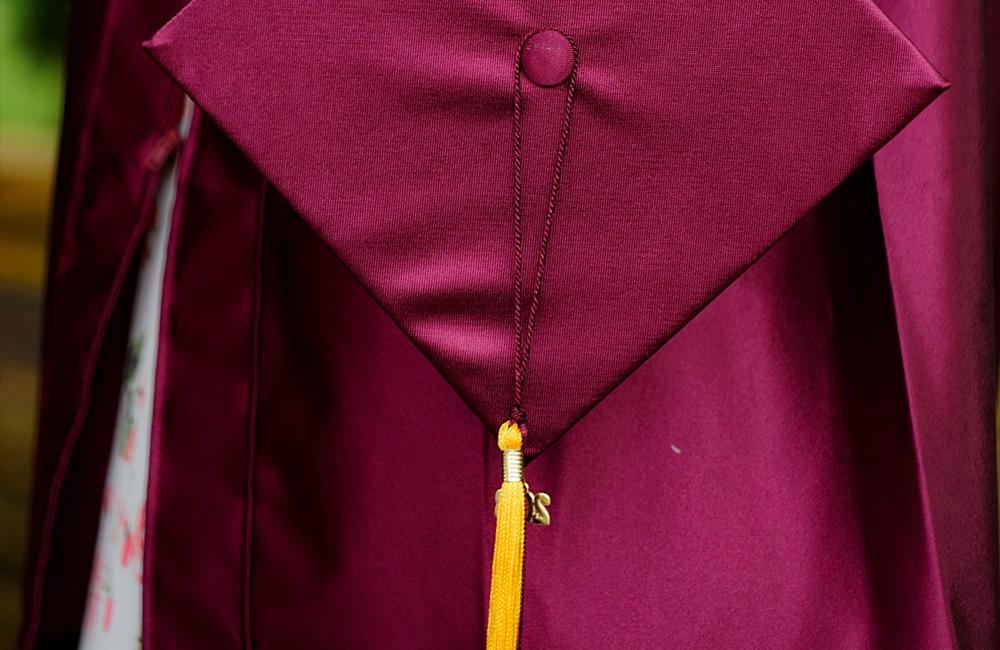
point(762, 380)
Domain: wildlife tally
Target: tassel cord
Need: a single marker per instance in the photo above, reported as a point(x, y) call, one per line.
point(506, 581)
point(523, 331)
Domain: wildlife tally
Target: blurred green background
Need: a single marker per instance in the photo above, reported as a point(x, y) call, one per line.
point(31, 84)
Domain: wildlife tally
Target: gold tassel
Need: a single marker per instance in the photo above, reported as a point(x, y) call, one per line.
point(504, 623)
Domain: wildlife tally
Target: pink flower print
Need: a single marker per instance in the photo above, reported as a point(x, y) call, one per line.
point(140, 397)
point(131, 542)
point(128, 549)
point(109, 608)
point(129, 450)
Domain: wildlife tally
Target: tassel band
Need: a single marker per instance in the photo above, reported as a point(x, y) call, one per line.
point(513, 465)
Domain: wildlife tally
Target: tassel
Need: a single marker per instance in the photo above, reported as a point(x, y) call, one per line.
point(504, 623)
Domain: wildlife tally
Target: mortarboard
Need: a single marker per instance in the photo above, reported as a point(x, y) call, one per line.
point(700, 135)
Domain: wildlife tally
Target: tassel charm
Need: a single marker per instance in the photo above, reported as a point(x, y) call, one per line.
point(503, 626)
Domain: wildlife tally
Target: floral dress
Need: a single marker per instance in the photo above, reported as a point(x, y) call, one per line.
point(113, 618)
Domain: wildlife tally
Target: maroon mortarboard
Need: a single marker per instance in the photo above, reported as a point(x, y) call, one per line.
point(700, 135)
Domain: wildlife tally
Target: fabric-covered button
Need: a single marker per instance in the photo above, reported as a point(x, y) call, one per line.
point(547, 58)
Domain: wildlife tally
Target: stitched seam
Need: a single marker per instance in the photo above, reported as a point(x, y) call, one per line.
point(251, 442)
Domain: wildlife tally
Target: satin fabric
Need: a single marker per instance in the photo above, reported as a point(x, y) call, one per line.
point(762, 480)
point(938, 190)
point(698, 138)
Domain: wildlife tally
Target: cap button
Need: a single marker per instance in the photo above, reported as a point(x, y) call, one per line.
point(547, 58)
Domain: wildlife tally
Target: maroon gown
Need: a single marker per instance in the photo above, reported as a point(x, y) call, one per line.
point(762, 381)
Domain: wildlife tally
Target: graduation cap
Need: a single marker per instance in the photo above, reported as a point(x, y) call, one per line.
point(701, 133)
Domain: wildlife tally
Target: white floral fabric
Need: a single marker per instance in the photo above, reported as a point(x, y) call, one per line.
point(113, 617)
